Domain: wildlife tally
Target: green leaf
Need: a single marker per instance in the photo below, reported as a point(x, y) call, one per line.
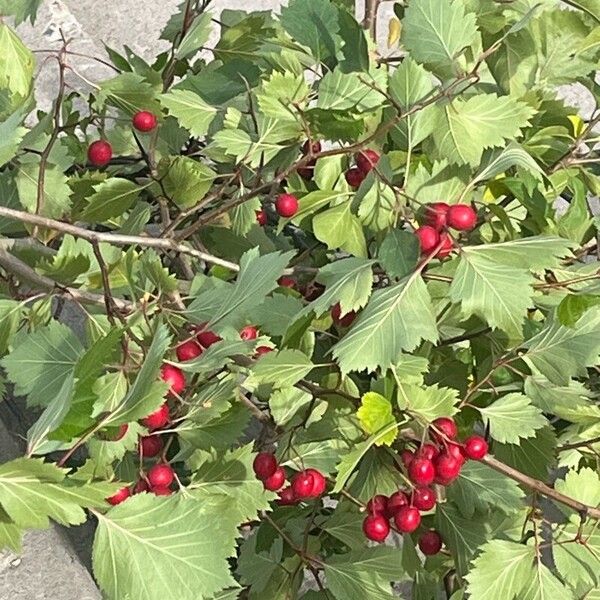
point(374, 414)
point(435, 32)
point(281, 93)
point(281, 369)
point(71, 260)
point(111, 198)
point(465, 128)
point(572, 308)
point(441, 181)
point(427, 403)
point(352, 91)
point(190, 110)
point(399, 253)
point(20, 10)
point(188, 542)
point(583, 486)
point(560, 352)
point(11, 135)
point(41, 361)
point(128, 92)
point(275, 313)
point(10, 534)
point(196, 37)
point(285, 403)
point(16, 65)
point(11, 313)
point(256, 568)
point(187, 181)
point(345, 524)
point(404, 308)
point(513, 417)
point(57, 193)
point(338, 227)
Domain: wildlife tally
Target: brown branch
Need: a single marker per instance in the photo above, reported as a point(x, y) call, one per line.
point(370, 21)
point(581, 444)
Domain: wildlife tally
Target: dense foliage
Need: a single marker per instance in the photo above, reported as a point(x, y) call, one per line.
point(318, 295)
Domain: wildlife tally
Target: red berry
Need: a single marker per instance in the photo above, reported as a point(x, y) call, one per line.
point(120, 496)
point(423, 498)
point(319, 483)
point(161, 476)
point(456, 451)
point(444, 427)
point(206, 338)
point(475, 447)
point(407, 519)
point(376, 528)
point(150, 445)
point(141, 486)
point(188, 350)
point(121, 433)
point(275, 482)
point(162, 491)
point(174, 377)
point(396, 501)
point(447, 468)
point(447, 246)
point(430, 543)
point(407, 457)
point(286, 205)
point(263, 350)
point(461, 217)
point(302, 484)
point(366, 160)
point(307, 171)
point(354, 177)
point(99, 153)
point(421, 471)
point(377, 505)
point(286, 497)
point(144, 121)
point(314, 147)
point(249, 333)
point(261, 217)
point(428, 451)
point(264, 465)
point(342, 321)
point(288, 282)
point(159, 418)
point(435, 215)
point(428, 237)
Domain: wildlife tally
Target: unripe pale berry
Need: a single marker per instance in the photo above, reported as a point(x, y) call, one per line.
point(376, 528)
point(366, 160)
point(161, 476)
point(275, 482)
point(150, 445)
point(319, 483)
point(286, 205)
point(428, 238)
point(435, 215)
point(407, 519)
point(261, 217)
point(144, 121)
point(377, 505)
point(447, 468)
point(188, 350)
point(264, 465)
point(396, 501)
point(444, 426)
point(159, 418)
point(302, 484)
point(120, 496)
point(249, 333)
point(461, 217)
point(354, 177)
point(423, 498)
point(286, 497)
point(475, 447)
point(430, 543)
point(161, 491)
point(205, 337)
point(342, 321)
point(99, 153)
point(174, 377)
point(421, 471)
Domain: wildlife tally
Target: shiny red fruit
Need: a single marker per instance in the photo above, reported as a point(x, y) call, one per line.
point(150, 446)
point(263, 350)
point(366, 160)
point(396, 501)
point(249, 333)
point(144, 121)
point(461, 217)
point(159, 418)
point(286, 497)
point(428, 451)
point(302, 484)
point(161, 476)
point(261, 217)
point(319, 483)
point(99, 153)
point(286, 205)
point(407, 457)
point(435, 215)
point(423, 498)
point(120, 496)
point(206, 338)
point(276, 481)
point(188, 350)
point(314, 147)
point(430, 543)
point(377, 505)
point(447, 468)
point(475, 447)
point(421, 471)
point(161, 491)
point(307, 171)
point(264, 465)
point(444, 426)
point(428, 238)
point(141, 486)
point(342, 321)
point(174, 377)
point(376, 528)
point(447, 246)
point(354, 177)
point(456, 451)
point(407, 519)
point(288, 282)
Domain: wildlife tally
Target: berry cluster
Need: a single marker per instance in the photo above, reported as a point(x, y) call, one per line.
point(365, 161)
point(305, 485)
point(438, 217)
point(436, 462)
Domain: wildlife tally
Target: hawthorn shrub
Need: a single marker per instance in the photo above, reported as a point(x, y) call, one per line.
point(330, 299)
